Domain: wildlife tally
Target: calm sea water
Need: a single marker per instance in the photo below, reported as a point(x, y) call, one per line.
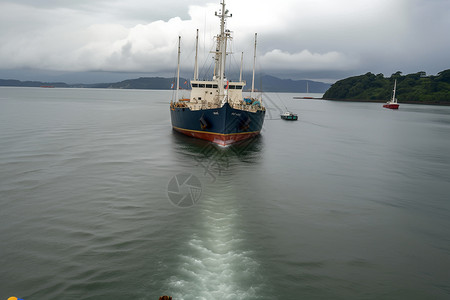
point(350, 202)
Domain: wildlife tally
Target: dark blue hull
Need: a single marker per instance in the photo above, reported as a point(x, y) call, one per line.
point(223, 126)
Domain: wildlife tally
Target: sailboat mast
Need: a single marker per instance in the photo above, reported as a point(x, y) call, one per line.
point(178, 68)
point(393, 94)
point(196, 58)
point(254, 63)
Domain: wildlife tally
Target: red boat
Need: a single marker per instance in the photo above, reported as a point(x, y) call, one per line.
point(392, 104)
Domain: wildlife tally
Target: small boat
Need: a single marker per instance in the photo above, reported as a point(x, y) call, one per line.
point(307, 92)
point(289, 116)
point(392, 104)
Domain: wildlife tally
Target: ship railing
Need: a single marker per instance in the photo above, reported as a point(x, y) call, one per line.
point(247, 107)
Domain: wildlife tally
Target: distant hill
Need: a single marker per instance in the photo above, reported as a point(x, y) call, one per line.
point(150, 83)
point(146, 83)
point(268, 83)
point(13, 82)
point(274, 84)
point(411, 88)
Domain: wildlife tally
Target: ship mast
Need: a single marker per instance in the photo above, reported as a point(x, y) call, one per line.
point(178, 68)
point(242, 63)
point(196, 58)
point(221, 52)
point(254, 63)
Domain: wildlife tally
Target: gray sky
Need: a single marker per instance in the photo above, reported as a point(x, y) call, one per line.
point(311, 39)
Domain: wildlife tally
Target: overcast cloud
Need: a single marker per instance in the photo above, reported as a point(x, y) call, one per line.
point(313, 39)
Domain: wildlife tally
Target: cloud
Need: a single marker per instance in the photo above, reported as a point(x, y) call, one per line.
point(64, 38)
point(307, 61)
point(304, 37)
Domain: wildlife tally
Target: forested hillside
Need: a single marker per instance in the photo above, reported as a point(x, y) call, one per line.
point(411, 88)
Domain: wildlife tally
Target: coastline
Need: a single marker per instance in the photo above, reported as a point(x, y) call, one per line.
point(384, 101)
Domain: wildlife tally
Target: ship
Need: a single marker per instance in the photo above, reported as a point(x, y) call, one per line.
point(217, 110)
point(289, 116)
point(392, 104)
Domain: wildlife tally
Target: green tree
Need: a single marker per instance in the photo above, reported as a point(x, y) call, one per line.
point(415, 87)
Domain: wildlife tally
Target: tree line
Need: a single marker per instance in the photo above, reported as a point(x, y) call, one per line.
point(411, 88)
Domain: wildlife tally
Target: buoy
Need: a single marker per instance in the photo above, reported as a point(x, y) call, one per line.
point(14, 298)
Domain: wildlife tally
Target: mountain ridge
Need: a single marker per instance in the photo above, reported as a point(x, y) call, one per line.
point(266, 83)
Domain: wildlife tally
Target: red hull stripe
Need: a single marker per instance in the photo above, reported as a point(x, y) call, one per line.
point(218, 138)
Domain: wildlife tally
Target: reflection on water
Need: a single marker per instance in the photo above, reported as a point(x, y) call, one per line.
point(241, 150)
point(215, 160)
point(215, 262)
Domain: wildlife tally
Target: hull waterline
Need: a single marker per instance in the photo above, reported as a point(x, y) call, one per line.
point(217, 138)
point(223, 126)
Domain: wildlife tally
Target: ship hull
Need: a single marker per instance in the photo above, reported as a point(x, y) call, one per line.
point(391, 105)
point(223, 126)
point(290, 118)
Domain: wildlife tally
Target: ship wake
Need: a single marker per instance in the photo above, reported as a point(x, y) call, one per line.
point(215, 263)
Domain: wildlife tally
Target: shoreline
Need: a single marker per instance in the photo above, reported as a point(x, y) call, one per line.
point(384, 101)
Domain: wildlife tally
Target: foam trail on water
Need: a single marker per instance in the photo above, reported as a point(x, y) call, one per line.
point(215, 264)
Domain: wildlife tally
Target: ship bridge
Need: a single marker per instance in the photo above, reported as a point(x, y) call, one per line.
point(209, 92)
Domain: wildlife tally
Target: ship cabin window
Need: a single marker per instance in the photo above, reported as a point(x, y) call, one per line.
point(215, 86)
point(209, 86)
point(194, 85)
point(234, 87)
point(201, 85)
